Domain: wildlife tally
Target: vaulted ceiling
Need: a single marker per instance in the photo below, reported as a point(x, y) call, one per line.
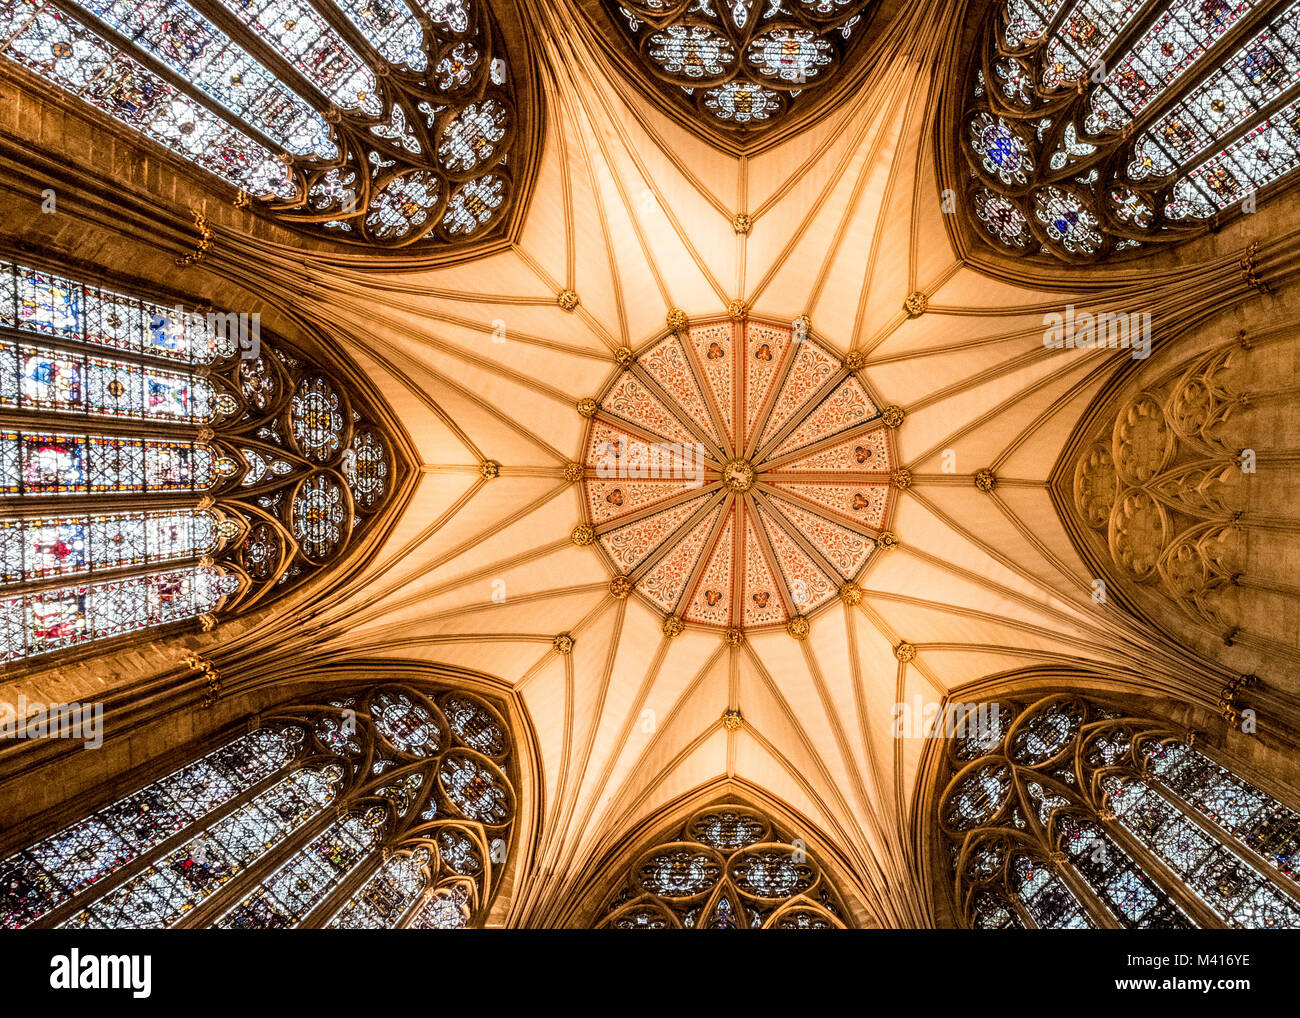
point(634, 215)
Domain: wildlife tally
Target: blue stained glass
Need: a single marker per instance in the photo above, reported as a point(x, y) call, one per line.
point(32, 300)
point(1174, 62)
point(49, 304)
point(390, 28)
point(168, 396)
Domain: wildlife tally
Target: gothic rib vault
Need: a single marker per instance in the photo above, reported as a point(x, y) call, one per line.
point(486, 364)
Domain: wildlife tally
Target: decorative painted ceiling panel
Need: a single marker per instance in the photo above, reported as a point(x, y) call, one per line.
point(756, 530)
point(1093, 128)
point(383, 123)
point(743, 66)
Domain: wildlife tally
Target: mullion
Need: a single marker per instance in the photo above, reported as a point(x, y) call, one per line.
point(127, 47)
point(1177, 88)
point(150, 556)
point(1224, 70)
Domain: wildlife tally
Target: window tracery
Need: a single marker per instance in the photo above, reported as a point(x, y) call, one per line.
point(743, 65)
point(728, 868)
point(159, 465)
point(384, 122)
point(370, 811)
point(1093, 127)
point(1073, 814)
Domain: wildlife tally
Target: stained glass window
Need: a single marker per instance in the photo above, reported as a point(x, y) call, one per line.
point(355, 140)
point(291, 468)
point(350, 780)
point(742, 65)
point(728, 867)
point(41, 378)
point(1067, 813)
point(64, 865)
point(1110, 124)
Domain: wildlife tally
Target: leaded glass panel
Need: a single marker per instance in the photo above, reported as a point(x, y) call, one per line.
point(1118, 124)
point(275, 102)
point(69, 349)
point(34, 881)
point(1068, 792)
point(263, 831)
point(727, 867)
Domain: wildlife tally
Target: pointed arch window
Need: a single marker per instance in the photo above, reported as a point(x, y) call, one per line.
point(727, 868)
point(390, 808)
point(385, 122)
point(1068, 813)
point(743, 65)
point(159, 465)
point(1092, 128)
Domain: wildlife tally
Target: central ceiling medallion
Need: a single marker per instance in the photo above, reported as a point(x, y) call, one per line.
point(736, 475)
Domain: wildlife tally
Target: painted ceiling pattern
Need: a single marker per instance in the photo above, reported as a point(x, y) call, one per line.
point(738, 474)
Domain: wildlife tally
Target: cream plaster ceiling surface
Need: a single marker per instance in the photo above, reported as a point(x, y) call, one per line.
point(634, 215)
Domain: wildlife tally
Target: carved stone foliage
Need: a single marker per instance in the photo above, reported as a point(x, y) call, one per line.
point(1166, 489)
